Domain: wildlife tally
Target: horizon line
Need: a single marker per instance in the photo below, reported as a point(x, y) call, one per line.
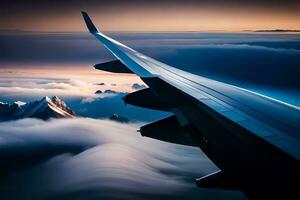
point(160, 31)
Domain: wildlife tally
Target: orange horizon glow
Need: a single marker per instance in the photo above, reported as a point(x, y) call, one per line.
point(85, 76)
point(164, 18)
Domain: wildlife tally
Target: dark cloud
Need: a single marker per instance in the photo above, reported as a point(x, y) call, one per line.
point(48, 48)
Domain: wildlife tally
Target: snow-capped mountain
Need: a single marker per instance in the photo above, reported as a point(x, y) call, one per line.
point(43, 109)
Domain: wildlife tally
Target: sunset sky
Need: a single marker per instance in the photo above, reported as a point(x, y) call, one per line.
point(134, 15)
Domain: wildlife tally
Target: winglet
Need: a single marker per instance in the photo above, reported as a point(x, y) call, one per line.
point(89, 23)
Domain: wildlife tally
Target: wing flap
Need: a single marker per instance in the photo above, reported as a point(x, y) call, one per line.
point(146, 98)
point(168, 130)
point(114, 66)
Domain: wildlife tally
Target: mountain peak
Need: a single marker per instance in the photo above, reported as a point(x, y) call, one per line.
point(44, 108)
point(55, 98)
point(19, 103)
point(45, 98)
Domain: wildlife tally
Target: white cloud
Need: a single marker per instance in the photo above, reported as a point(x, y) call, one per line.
point(113, 160)
point(34, 90)
point(23, 85)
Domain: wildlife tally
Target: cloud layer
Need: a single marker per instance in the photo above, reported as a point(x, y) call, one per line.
point(267, 63)
point(87, 158)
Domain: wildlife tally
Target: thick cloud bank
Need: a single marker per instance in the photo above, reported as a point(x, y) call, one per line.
point(87, 158)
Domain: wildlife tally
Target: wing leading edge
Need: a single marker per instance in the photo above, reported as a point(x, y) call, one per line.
point(224, 120)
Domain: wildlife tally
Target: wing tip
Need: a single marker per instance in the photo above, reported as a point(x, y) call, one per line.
point(89, 23)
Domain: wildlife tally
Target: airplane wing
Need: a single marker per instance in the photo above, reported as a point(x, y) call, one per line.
point(252, 138)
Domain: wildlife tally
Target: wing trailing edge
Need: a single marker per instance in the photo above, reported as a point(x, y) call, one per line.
point(216, 180)
point(114, 66)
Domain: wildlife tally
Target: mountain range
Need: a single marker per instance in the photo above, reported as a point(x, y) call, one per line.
point(44, 108)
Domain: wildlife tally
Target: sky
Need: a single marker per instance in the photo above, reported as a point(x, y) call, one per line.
point(135, 15)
